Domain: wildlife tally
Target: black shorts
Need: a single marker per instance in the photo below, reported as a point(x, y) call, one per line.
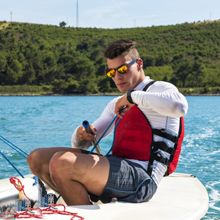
point(127, 181)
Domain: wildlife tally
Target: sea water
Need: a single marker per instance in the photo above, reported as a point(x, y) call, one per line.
point(37, 122)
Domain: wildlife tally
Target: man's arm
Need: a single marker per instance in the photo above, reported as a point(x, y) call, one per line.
point(78, 140)
point(162, 97)
point(82, 140)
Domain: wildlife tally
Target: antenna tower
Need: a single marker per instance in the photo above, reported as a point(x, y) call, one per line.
point(77, 15)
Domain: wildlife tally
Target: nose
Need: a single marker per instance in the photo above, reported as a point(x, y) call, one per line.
point(118, 75)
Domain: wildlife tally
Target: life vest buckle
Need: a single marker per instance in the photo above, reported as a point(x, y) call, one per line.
point(158, 157)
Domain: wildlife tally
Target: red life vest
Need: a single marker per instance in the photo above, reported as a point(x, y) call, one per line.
point(133, 136)
point(134, 140)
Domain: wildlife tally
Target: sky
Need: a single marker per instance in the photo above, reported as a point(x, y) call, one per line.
point(109, 13)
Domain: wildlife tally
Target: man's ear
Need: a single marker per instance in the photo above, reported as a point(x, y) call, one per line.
point(140, 62)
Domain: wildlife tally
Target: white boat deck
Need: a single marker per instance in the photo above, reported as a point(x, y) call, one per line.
point(179, 197)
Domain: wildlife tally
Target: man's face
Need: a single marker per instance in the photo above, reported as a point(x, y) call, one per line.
point(129, 80)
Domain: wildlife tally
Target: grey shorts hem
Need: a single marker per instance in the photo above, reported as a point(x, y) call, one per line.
point(127, 182)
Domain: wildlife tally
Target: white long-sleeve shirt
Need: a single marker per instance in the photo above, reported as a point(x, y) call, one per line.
point(162, 104)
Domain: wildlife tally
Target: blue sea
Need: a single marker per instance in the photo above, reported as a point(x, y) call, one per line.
point(36, 122)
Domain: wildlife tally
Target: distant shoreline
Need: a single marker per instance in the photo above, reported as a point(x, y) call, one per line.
point(54, 94)
point(99, 94)
point(27, 90)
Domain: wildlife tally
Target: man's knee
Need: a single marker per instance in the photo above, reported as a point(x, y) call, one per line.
point(34, 161)
point(58, 166)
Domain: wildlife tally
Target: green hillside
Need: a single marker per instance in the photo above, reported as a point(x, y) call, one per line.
point(70, 60)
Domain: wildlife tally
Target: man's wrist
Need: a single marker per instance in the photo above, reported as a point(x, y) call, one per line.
point(129, 98)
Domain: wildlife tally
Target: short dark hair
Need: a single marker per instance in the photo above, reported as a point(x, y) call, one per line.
point(121, 47)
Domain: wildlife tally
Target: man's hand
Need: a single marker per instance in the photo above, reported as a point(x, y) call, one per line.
point(120, 104)
point(84, 136)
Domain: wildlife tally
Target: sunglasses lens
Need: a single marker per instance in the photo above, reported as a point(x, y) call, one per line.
point(110, 73)
point(123, 69)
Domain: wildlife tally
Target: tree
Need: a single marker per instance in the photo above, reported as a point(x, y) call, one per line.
point(198, 69)
point(88, 86)
point(62, 24)
point(181, 71)
point(3, 63)
point(148, 60)
point(59, 86)
point(82, 68)
point(13, 72)
point(28, 76)
point(197, 75)
point(73, 86)
point(159, 72)
point(104, 84)
point(49, 59)
point(52, 73)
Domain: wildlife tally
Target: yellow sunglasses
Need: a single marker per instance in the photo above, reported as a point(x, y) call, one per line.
point(121, 69)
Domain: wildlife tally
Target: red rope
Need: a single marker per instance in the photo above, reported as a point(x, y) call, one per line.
point(51, 210)
point(36, 212)
point(31, 213)
point(8, 215)
point(18, 185)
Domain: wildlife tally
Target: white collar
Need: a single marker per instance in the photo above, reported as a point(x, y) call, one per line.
point(142, 84)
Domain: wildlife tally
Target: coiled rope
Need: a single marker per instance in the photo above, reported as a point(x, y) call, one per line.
point(36, 212)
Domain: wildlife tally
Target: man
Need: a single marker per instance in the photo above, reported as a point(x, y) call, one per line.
point(142, 153)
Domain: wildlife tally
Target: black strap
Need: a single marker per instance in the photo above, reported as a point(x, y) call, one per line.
point(150, 164)
point(158, 157)
point(148, 85)
point(163, 146)
point(163, 133)
point(154, 155)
